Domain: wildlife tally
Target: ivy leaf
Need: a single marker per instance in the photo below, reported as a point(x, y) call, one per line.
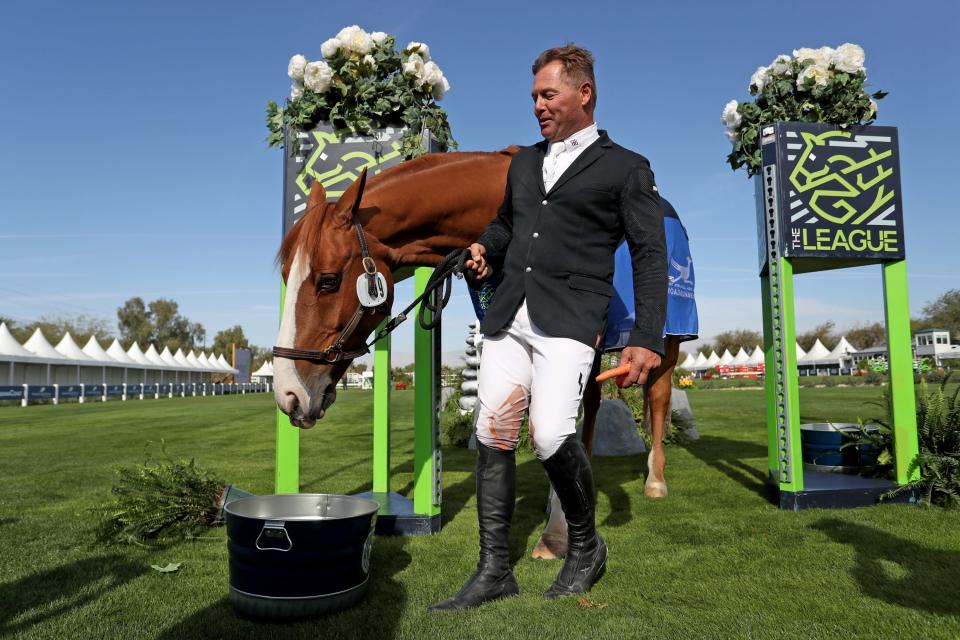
point(880, 95)
point(169, 568)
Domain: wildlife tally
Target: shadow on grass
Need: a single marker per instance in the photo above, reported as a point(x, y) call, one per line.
point(899, 571)
point(727, 456)
point(609, 476)
point(43, 596)
point(375, 616)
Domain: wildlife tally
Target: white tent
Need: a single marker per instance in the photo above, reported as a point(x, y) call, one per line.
point(153, 356)
point(742, 358)
point(756, 358)
point(700, 364)
point(800, 352)
point(95, 352)
point(69, 349)
point(192, 360)
point(726, 358)
point(135, 354)
point(688, 362)
point(713, 360)
point(817, 353)
point(180, 359)
point(116, 352)
point(843, 349)
point(38, 345)
point(167, 358)
point(265, 371)
point(204, 363)
point(10, 349)
point(226, 365)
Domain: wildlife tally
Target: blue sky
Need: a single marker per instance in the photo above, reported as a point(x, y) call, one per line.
point(133, 160)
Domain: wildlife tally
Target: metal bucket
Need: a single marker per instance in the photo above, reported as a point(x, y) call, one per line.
point(298, 555)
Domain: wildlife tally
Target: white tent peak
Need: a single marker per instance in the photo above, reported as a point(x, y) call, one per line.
point(688, 362)
point(843, 349)
point(181, 359)
point(153, 356)
point(800, 352)
point(742, 357)
point(38, 345)
point(223, 363)
point(167, 358)
point(817, 352)
point(757, 357)
point(9, 345)
point(192, 360)
point(713, 360)
point(135, 354)
point(96, 352)
point(68, 348)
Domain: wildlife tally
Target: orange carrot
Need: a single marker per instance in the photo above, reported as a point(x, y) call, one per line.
point(622, 370)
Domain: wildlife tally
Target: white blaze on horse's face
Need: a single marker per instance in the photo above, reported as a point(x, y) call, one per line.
point(304, 405)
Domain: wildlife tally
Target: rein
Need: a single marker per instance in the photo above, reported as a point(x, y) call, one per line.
point(373, 297)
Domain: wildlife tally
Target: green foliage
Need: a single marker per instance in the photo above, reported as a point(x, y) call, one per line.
point(944, 313)
point(157, 502)
point(733, 340)
point(363, 98)
point(789, 93)
point(455, 427)
point(938, 430)
point(823, 332)
point(224, 340)
point(158, 323)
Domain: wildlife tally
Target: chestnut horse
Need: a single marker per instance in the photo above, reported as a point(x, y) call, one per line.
point(410, 215)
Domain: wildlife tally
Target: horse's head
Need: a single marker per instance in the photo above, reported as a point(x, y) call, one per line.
point(322, 312)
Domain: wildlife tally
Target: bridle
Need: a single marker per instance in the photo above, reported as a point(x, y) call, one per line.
point(375, 300)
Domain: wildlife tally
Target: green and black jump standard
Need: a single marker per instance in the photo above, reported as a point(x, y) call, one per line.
point(828, 197)
point(336, 159)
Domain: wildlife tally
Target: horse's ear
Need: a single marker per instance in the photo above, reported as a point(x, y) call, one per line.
point(318, 196)
point(349, 202)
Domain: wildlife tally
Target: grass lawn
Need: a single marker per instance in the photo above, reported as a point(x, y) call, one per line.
point(714, 560)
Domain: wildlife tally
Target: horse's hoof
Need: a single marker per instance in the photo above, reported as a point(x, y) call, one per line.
point(654, 489)
point(550, 547)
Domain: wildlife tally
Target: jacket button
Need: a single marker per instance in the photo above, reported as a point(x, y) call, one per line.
point(544, 202)
point(528, 269)
point(536, 235)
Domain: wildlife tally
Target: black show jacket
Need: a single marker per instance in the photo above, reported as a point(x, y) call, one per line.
point(556, 249)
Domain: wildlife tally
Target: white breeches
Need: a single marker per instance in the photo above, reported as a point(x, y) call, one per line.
point(521, 367)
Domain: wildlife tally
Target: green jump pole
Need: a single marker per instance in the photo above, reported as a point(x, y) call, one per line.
point(426, 454)
point(287, 463)
point(769, 379)
point(381, 414)
point(903, 407)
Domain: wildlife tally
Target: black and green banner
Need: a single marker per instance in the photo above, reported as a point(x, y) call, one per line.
point(835, 191)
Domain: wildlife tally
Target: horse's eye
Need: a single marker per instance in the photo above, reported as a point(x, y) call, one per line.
point(328, 282)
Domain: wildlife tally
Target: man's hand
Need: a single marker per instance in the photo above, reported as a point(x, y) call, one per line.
point(477, 262)
point(642, 363)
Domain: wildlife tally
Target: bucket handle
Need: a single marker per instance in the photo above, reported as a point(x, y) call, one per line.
point(274, 529)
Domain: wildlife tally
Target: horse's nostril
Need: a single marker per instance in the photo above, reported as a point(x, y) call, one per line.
point(290, 402)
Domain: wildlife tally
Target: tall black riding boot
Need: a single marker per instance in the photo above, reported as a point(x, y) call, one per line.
point(496, 495)
point(572, 478)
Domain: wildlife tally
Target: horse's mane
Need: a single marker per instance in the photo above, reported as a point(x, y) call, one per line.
point(305, 233)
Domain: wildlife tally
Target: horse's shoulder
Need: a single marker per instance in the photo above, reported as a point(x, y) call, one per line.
point(512, 150)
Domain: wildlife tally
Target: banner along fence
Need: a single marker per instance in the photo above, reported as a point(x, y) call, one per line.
point(26, 394)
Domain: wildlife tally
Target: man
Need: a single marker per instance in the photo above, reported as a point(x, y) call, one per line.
point(569, 201)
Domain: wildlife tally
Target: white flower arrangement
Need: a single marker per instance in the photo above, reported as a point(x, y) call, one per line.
point(362, 83)
point(814, 85)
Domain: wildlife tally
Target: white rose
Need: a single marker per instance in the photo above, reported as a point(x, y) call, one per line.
point(296, 66)
point(330, 48)
point(378, 37)
point(296, 90)
point(823, 56)
point(432, 73)
point(819, 73)
point(781, 66)
point(849, 58)
point(731, 119)
point(440, 89)
point(804, 53)
point(355, 39)
point(420, 49)
point(414, 66)
point(731, 134)
point(317, 76)
point(758, 79)
point(370, 60)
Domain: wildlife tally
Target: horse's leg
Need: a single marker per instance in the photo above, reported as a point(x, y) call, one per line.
point(657, 412)
point(553, 541)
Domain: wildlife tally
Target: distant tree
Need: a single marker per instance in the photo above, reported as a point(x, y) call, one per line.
point(159, 323)
point(224, 340)
point(733, 340)
point(357, 367)
point(259, 355)
point(401, 375)
point(866, 335)
point(823, 332)
point(944, 313)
